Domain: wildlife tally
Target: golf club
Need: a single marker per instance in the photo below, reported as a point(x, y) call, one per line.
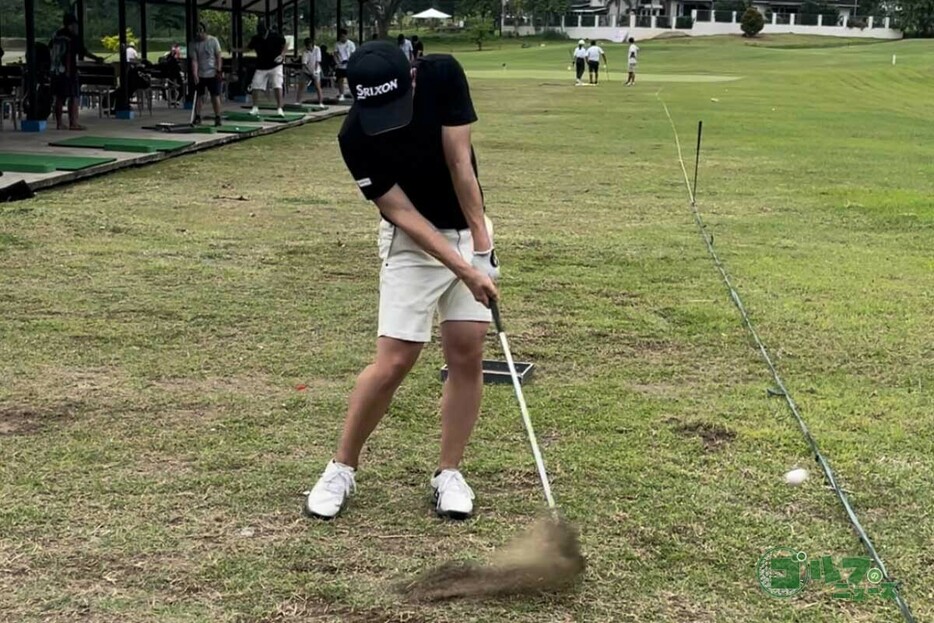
point(194, 107)
point(545, 558)
point(520, 397)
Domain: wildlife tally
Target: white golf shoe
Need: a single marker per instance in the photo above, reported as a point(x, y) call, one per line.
point(279, 112)
point(254, 111)
point(330, 494)
point(453, 496)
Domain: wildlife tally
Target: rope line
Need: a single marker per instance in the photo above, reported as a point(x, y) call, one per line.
point(782, 390)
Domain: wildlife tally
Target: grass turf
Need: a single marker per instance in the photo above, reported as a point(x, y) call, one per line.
point(175, 374)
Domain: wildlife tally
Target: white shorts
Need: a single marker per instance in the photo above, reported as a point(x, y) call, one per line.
point(632, 67)
point(413, 285)
point(263, 79)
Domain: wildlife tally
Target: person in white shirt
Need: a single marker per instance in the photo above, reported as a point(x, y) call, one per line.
point(132, 56)
point(343, 50)
point(406, 46)
point(633, 60)
point(580, 60)
point(311, 71)
point(594, 54)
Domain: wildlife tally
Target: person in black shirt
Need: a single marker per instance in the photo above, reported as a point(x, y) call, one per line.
point(65, 48)
point(269, 46)
point(406, 142)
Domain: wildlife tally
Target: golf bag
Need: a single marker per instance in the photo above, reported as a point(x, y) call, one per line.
point(43, 85)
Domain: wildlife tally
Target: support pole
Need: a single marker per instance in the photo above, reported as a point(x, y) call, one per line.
point(700, 131)
point(189, 39)
point(123, 99)
point(360, 38)
point(295, 27)
point(79, 13)
point(32, 87)
point(279, 16)
point(312, 19)
point(143, 30)
point(340, 23)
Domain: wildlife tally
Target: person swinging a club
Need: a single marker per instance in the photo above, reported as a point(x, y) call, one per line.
point(406, 142)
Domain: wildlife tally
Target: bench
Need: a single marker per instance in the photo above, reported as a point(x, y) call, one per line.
point(97, 83)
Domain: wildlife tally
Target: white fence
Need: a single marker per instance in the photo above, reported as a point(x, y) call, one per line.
point(705, 25)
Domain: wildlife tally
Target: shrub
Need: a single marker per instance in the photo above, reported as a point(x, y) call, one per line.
point(752, 22)
point(856, 22)
point(112, 43)
point(554, 35)
point(685, 22)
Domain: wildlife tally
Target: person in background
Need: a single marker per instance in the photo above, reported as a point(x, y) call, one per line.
point(343, 50)
point(204, 54)
point(406, 46)
point(65, 49)
point(269, 46)
point(176, 51)
point(132, 56)
point(418, 47)
point(311, 71)
point(580, 60)
point(594, 54)
point(633, 61)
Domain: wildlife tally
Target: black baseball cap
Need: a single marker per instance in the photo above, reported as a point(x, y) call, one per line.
point(381, 84)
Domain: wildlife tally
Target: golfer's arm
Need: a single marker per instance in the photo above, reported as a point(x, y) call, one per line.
point(456, 142)
point(397, 207)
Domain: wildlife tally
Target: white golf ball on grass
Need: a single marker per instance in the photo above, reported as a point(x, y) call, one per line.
point(796, 476)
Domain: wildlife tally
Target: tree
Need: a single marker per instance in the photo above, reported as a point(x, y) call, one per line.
point(916, 17)
point(384, 11)
point(752, 22)
point(480, 29)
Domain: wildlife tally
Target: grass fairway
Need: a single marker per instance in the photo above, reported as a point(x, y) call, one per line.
point(154, 328)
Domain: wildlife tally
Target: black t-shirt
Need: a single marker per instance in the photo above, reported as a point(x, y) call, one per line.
point(413, 156)
point(268, 49)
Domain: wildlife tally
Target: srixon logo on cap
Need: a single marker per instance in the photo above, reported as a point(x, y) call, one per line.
point(381, 89)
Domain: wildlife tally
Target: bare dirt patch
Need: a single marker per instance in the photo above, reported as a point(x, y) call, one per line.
point(713, 436)
point(19, 419)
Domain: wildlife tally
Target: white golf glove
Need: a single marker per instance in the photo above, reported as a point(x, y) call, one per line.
point(485, 262)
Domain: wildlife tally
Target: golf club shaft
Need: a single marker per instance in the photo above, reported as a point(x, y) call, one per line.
point(539, 461)
point(194, 108)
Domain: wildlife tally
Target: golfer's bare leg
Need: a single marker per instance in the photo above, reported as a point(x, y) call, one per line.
point(216, 103)
point(278, 98)
point(373, 393)
point(462, 343)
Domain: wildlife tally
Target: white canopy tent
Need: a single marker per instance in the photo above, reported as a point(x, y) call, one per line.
point(431, 14)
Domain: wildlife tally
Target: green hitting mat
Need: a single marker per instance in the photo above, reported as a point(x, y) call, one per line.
point(114, 143)
point(238, 128)
point(290, 107)
point(46, 163)
point(245, 116)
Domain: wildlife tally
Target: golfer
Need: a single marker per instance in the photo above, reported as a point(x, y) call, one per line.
point(204, 54)
point(594, 54)
point(633, 61)
point(406, 142)
point(311, 71)
point(580, 60)
point(343, 50)
point(269, 46)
